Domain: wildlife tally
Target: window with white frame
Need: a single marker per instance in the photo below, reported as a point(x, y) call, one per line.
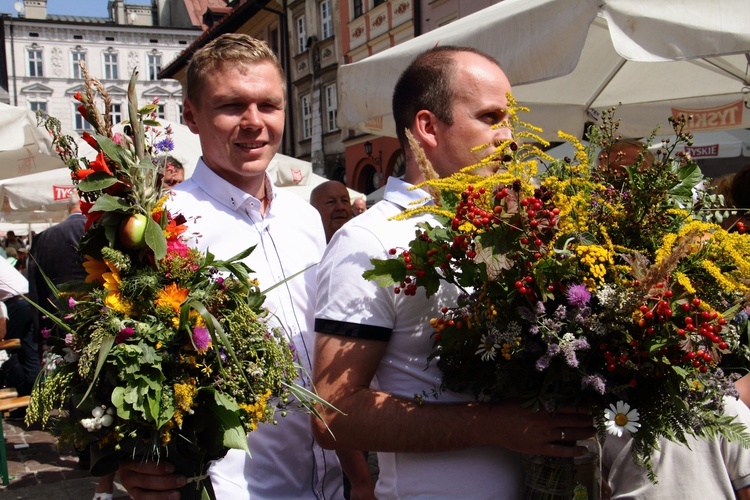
point(110, 65)
point(154, 66)
point(38, 106)
point(80, 123)
point(179, 113)
point(75, 57)
point(301, 34)
point(36, 66)
point(306, 116)
point(332, 107)
point(326, 19)
point(116, 112)
point(161, 111)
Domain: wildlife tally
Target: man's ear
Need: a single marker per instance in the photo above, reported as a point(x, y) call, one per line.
point(188, 115)
point(425, 130)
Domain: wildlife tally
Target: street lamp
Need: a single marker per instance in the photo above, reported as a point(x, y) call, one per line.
point(368, 151)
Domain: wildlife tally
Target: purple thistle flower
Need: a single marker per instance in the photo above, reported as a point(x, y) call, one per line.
point(595, 382)
point(201, 338)
point(165, 145)
point(578, 295)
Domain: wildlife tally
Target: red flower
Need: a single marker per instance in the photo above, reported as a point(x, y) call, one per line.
point(78, 97)
point(90, 140)
point(98, 165)
point(83, 112)
point(91, 217)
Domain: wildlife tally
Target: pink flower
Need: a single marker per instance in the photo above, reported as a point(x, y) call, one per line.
point(71, 302)
point(119, 139)
point(177, 246)
point(124, 335)
point(201, 338)
point(46, 333)
point(69, 339)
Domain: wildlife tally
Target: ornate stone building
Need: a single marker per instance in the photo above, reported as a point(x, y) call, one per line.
point(41, 54)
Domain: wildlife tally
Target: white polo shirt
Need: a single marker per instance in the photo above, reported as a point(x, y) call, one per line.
point(286, 462)
point(348, 304)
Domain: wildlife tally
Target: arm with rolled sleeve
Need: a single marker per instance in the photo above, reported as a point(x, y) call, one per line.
point(354, 321)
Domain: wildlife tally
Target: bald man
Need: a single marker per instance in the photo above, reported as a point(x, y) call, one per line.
point(359, 206)
point(331, 200)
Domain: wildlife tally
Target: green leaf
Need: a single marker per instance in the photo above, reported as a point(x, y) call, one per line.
point(113, 150)
point(96, 182)
point(118, 400)
point(108, 203)
point(387, 272)
point(106, 346)
point(155, 239)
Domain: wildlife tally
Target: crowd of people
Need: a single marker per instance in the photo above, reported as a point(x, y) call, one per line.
point(361, 347)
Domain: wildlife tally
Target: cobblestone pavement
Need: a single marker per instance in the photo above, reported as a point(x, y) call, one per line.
point(38, 470)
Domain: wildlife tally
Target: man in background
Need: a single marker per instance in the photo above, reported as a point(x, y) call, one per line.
point(359, 206)
point(331, 200)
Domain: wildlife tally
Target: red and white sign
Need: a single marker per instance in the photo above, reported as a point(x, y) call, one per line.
point(727, 116)
point(60, 193)
point(710, 151)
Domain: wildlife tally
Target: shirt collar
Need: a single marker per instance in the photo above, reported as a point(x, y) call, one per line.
point(226, 193)
point(398, 192)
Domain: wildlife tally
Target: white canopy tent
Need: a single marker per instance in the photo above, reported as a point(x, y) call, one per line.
point(570, 59)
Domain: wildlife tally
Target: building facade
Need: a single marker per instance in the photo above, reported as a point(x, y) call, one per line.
point(42, 54)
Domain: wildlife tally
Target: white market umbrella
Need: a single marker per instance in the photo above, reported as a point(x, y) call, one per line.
point(26, 148)
point(570, 59)
point(41, 191)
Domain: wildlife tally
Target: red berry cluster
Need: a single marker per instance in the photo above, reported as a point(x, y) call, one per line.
point(741, 227)
point(467, 210)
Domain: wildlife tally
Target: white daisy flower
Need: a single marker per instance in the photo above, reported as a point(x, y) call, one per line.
point(488, 347)
point(621, 417)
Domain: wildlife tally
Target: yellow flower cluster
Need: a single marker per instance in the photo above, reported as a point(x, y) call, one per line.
point(683, 280)
point(257, 411)
point(596, 258)
point(184, 394)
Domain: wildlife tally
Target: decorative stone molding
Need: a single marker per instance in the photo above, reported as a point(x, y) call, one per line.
point(401, 8)
point(379, 20)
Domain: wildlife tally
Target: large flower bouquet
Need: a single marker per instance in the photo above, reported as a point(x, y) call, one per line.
point(165, 352)
point(611, 289)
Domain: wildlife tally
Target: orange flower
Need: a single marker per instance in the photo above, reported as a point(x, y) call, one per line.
point(95, 269)
point(174, 229)
point(172, 296)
